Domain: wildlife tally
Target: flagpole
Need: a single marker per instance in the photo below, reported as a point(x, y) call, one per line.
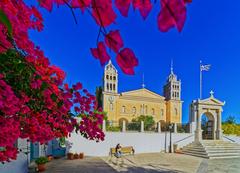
point(200, 80)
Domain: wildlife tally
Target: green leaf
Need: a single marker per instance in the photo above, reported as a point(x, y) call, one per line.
point(54, 97)
point(2, 149)
point(4, 19)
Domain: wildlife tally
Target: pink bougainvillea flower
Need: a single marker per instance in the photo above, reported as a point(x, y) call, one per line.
point(47, 4)
point(187, 1)
point(100, 53)
point(82, 4)
point(144, 7)
point(103, 12)
point(123, 6)
point(78, 86)
point(172, 14)
point(127, 60)
point(114, 40)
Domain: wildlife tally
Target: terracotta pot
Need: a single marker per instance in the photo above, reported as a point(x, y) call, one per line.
point(76, 156)
point(41, 167)
point(50, 158)
point(81, 155)
point(70, 156)
point(179, 152)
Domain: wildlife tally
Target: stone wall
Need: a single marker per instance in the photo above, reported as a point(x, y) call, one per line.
point(142, 142)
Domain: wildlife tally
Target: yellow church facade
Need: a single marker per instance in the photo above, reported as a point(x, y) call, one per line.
point(131, 104)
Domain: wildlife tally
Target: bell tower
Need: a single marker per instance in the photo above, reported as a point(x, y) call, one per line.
point(110, 91)
point(110, 81)
point(172, 89)
point(172, 94)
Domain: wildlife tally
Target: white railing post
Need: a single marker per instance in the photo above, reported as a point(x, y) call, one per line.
point(159, 127)
point(175, 127)
point(142, 126)
point(104, 126)
point(123, 126)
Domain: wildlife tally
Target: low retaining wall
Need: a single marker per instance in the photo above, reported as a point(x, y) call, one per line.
point(142, 142)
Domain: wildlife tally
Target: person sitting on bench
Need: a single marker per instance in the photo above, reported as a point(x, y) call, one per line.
point(118, 153)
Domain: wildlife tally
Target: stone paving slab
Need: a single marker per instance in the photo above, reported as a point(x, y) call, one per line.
point(140, 163)
point(145, 163)
point(155, 162)
point(86, 165)
point(224, 165)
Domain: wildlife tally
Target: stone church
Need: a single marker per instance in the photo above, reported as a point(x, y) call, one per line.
point(131, 104)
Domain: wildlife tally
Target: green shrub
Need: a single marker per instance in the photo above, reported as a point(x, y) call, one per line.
point(41, 160)
point(113, 128)
point(136, 123)
point(231, 129)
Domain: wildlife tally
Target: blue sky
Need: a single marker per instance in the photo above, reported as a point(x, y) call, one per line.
point(211, 34)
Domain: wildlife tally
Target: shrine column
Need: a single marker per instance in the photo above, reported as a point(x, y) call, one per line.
point(219, 125)
point(198, 132)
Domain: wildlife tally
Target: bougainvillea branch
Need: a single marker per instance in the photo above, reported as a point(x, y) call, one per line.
point(35, 103)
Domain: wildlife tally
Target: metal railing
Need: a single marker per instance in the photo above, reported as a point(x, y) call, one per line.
point(124, 126)
point(229, 139)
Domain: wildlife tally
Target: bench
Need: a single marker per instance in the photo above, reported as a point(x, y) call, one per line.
point(124, 150)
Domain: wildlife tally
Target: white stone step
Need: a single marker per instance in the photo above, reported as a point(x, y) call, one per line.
point(213, 149)
point(197, 155)
point(224, 157)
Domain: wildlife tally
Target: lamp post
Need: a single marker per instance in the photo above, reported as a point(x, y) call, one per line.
point(170, 129)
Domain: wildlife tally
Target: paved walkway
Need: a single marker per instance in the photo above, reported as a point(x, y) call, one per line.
point(140, 163)
point(86, 165)
point(145, 163)
point(224, 165)
point(155, 162)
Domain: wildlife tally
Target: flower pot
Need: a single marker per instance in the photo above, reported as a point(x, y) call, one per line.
point(70, 156)
point(50, 158)
point(81, 155)
point(76, 156)
point(175, 147)
point(41, 167)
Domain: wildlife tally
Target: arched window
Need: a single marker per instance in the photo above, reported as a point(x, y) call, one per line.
point(114, 78)
point(107, 77)
point(153, 111)
point(123, 109)
point(110, 77)
point(111, 87)
point(146, 110)
point(107, 86)
point(134, 110)
point(162, 113)
point(111, 106)
point(176, 112)
point(114, 87)
point(141, 109)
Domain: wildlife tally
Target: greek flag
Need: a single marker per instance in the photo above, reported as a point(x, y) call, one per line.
point(205, 67)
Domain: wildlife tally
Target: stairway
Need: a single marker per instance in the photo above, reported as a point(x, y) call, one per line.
point(213, 149)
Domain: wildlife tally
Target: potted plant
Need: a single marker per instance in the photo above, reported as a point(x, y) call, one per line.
point(76, 156)
point(41, 161)
point(50, 157)
point(70, 156)
point(81, 155)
